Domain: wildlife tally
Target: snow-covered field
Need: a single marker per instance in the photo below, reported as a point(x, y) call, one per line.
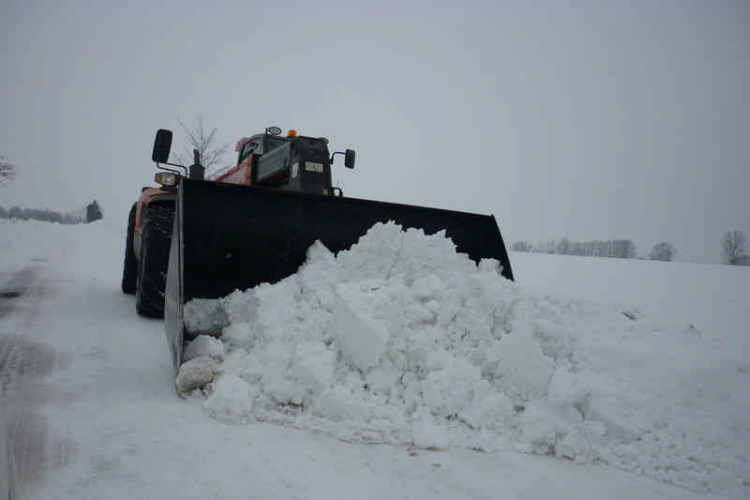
point(398, 369)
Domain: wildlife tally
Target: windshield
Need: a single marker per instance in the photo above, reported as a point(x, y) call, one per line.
point(275, 142)
point(315, 145)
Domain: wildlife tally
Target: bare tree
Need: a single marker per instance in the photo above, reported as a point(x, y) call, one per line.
point(662, 251)
point(563, 247)
point(205, 142)
point(7, 171)
point(734, 248)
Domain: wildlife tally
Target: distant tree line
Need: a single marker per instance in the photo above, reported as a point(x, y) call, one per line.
point(735, 249)
point(91, 213)
point(620, 249)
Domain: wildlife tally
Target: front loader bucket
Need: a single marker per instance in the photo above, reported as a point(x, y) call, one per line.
point(229, 237)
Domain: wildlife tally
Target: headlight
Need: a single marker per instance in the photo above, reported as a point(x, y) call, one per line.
point(166, 179)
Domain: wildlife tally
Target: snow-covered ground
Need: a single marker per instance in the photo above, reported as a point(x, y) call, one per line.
point(397, 369)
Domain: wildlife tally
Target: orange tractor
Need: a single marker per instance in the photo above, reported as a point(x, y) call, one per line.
point(193, 238)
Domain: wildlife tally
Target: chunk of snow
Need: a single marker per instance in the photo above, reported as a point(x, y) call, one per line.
point(448, 390)
point(239, 335)
point(362, 338)
point(204, 345)
point(313, 364)
point(581, 441)
point(195, 374)
point(524, 366)
point(231, 400)
point(338, 404)
point(427, 433)
point(204, 316)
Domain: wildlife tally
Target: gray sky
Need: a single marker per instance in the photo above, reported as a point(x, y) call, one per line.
point(585, 119)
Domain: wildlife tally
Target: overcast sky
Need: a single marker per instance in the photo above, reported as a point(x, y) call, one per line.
point(583, 119)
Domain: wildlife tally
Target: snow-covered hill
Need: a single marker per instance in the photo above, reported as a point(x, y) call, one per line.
point(468, 385)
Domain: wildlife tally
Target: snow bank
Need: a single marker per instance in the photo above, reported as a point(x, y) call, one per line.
point(33, 237)
point(402, 340)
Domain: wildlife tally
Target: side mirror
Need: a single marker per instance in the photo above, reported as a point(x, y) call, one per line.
point(162, 145)
point(349, 158)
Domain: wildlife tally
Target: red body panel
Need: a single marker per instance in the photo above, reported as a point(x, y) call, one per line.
point(241, 174)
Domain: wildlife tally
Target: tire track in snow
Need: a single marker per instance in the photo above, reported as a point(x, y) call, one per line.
point(24, 364)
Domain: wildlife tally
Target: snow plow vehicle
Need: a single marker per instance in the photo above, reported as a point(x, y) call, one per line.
point(194, 238)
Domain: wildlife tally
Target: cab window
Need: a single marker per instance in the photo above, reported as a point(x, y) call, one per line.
point(254, 146)
point(275, 142)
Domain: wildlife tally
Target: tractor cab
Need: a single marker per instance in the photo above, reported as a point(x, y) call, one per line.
point(290, 163)
point(259, 143)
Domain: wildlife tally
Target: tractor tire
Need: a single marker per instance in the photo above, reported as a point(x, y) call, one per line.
point(152, 268)
point(130, 267)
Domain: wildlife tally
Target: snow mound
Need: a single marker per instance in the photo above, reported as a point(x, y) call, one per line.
point(402, 340)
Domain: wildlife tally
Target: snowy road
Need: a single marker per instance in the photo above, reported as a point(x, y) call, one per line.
point(24, 364)
point(94, 413)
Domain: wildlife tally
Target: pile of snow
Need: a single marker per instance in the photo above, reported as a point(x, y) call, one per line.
point(402, 340)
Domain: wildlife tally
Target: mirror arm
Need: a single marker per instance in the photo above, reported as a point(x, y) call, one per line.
point(162, 167)
point(334, 154)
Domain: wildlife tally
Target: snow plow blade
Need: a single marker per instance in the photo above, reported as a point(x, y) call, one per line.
point(228, 237)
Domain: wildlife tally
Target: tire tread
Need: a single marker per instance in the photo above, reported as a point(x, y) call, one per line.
point(152, 272)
